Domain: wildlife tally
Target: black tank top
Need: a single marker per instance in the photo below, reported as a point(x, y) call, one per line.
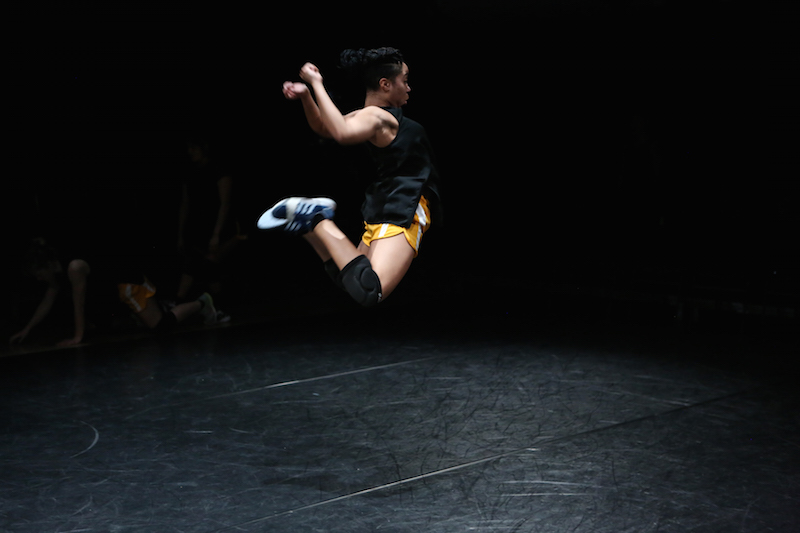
point(406, 171)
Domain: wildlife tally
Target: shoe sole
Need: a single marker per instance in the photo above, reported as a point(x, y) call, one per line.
point(269, 221)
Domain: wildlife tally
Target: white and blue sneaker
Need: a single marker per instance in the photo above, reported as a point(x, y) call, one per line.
point(296, 214)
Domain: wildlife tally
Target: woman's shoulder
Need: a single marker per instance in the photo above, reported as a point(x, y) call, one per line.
point(384, 113)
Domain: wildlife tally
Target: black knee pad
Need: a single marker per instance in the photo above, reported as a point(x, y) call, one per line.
point(361, 282)
point(167, 323)
point(333, 272)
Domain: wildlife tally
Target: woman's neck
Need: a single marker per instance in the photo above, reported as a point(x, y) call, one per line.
point(375, 99)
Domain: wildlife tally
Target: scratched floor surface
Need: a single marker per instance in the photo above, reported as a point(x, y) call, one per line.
point(505, 423)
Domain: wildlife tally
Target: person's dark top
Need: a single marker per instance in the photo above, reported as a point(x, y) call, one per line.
point(406, 170)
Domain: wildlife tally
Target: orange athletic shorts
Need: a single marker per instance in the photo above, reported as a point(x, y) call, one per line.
point(421, 224)
point(135, 296)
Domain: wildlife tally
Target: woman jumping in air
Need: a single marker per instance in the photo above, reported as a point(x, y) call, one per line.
point(398, 206)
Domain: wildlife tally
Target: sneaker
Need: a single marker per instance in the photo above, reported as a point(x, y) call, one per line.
point(208, 312)
point(296, 214)
point(223, 317)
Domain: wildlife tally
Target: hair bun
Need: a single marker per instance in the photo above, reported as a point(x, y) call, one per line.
point(352, 59)
point(364, 58)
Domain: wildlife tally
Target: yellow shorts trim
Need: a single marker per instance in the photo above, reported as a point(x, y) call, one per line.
point(135, 296)
point(421, 224)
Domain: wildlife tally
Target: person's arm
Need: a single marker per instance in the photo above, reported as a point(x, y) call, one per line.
point(300, 91)
point(183, 215)
point(225, 188)
point(42, 310)
point(356, 127)
point(78, 273)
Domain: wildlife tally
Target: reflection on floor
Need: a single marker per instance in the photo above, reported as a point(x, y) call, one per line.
point(391, 421)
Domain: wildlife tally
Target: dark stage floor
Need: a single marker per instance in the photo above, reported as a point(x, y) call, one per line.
point(490, 422)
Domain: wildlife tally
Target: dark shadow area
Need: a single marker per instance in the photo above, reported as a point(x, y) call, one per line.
point(622, 149)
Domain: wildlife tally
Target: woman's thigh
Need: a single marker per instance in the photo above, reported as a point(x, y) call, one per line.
point(390, 259)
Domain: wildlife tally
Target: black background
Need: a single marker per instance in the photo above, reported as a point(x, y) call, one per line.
point(580, 142)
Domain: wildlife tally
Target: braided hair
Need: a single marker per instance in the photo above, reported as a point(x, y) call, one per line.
point(371, 65)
